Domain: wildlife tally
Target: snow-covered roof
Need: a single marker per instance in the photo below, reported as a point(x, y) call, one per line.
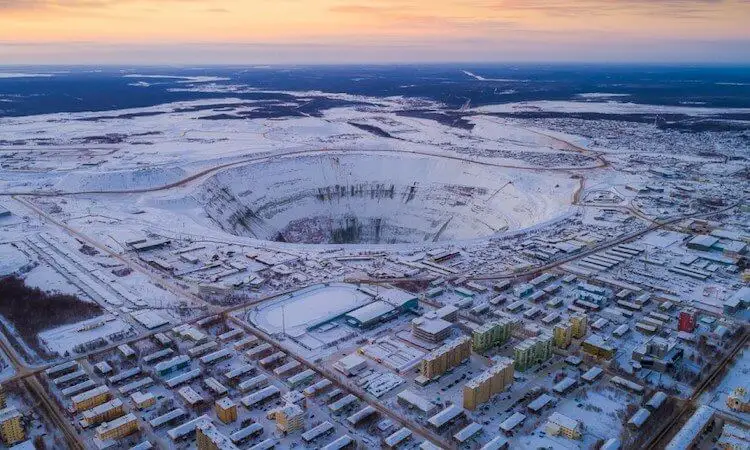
point(371, 312)
point(563, 421)
point(512, 421)
point(703, 240)
point(396, 297)
point(496, 444)
point(656, 400)
point(611, 444)
point(697, 422)
point(741, 297)
point(445, 416)
point(639, 418)
point(592, 373)
point(540, 402)
point(467, 432)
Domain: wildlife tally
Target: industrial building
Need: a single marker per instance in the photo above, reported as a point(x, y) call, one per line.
point(733, 437)
point(431, 328)
point(532, 351)
point(658, 353)
point(350, 365)
point(445, 358)
point(388, 304)
point(11, 429)
point(702, 242)
point(737, 301)
point(493, 333)
point(483, 387)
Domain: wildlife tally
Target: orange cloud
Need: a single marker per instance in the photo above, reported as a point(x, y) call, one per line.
point(386, 22)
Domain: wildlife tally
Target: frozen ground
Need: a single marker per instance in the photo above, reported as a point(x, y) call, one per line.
point(609, 107)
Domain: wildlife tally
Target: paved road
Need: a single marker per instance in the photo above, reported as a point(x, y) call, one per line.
point(671, 427)
point(349, 387)
point(41, 396)
point(158, 279)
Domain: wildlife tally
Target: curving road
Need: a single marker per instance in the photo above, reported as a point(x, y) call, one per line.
point(211, 170)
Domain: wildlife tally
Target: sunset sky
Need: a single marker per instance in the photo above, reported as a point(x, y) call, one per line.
point(378, 31)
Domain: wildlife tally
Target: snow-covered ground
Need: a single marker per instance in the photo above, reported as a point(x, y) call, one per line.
point(609, 107)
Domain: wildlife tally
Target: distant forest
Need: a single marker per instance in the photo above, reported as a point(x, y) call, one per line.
point(32, 310)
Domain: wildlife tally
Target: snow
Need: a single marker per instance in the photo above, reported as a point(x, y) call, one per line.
point(24, 75)
point(182, 79)
point(611, 107)
point(299, 310)
point(600, 95)
point(64, 339)
point(737, 376)
point(11, 259)
point(120, 180)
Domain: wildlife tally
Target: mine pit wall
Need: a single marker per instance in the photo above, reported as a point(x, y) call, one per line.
point(377, 199)
point(232, 215)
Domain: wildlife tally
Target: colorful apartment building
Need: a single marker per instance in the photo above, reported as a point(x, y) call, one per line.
point(483, 387)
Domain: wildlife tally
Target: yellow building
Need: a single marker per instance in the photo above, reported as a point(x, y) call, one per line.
point(141, 400)
point(208, 437)
point(579, 323)
point(739, 400)
point(597, 346)
point(11, 429)
point(445, 358)
point(226, 410)
point(290, 418)
point(563, 334)
point(118, 428)
point(483, 387)
point(559, 424)
point(103, 413)
point(89, 399)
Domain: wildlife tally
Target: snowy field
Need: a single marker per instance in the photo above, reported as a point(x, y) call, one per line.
point(606, 107)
